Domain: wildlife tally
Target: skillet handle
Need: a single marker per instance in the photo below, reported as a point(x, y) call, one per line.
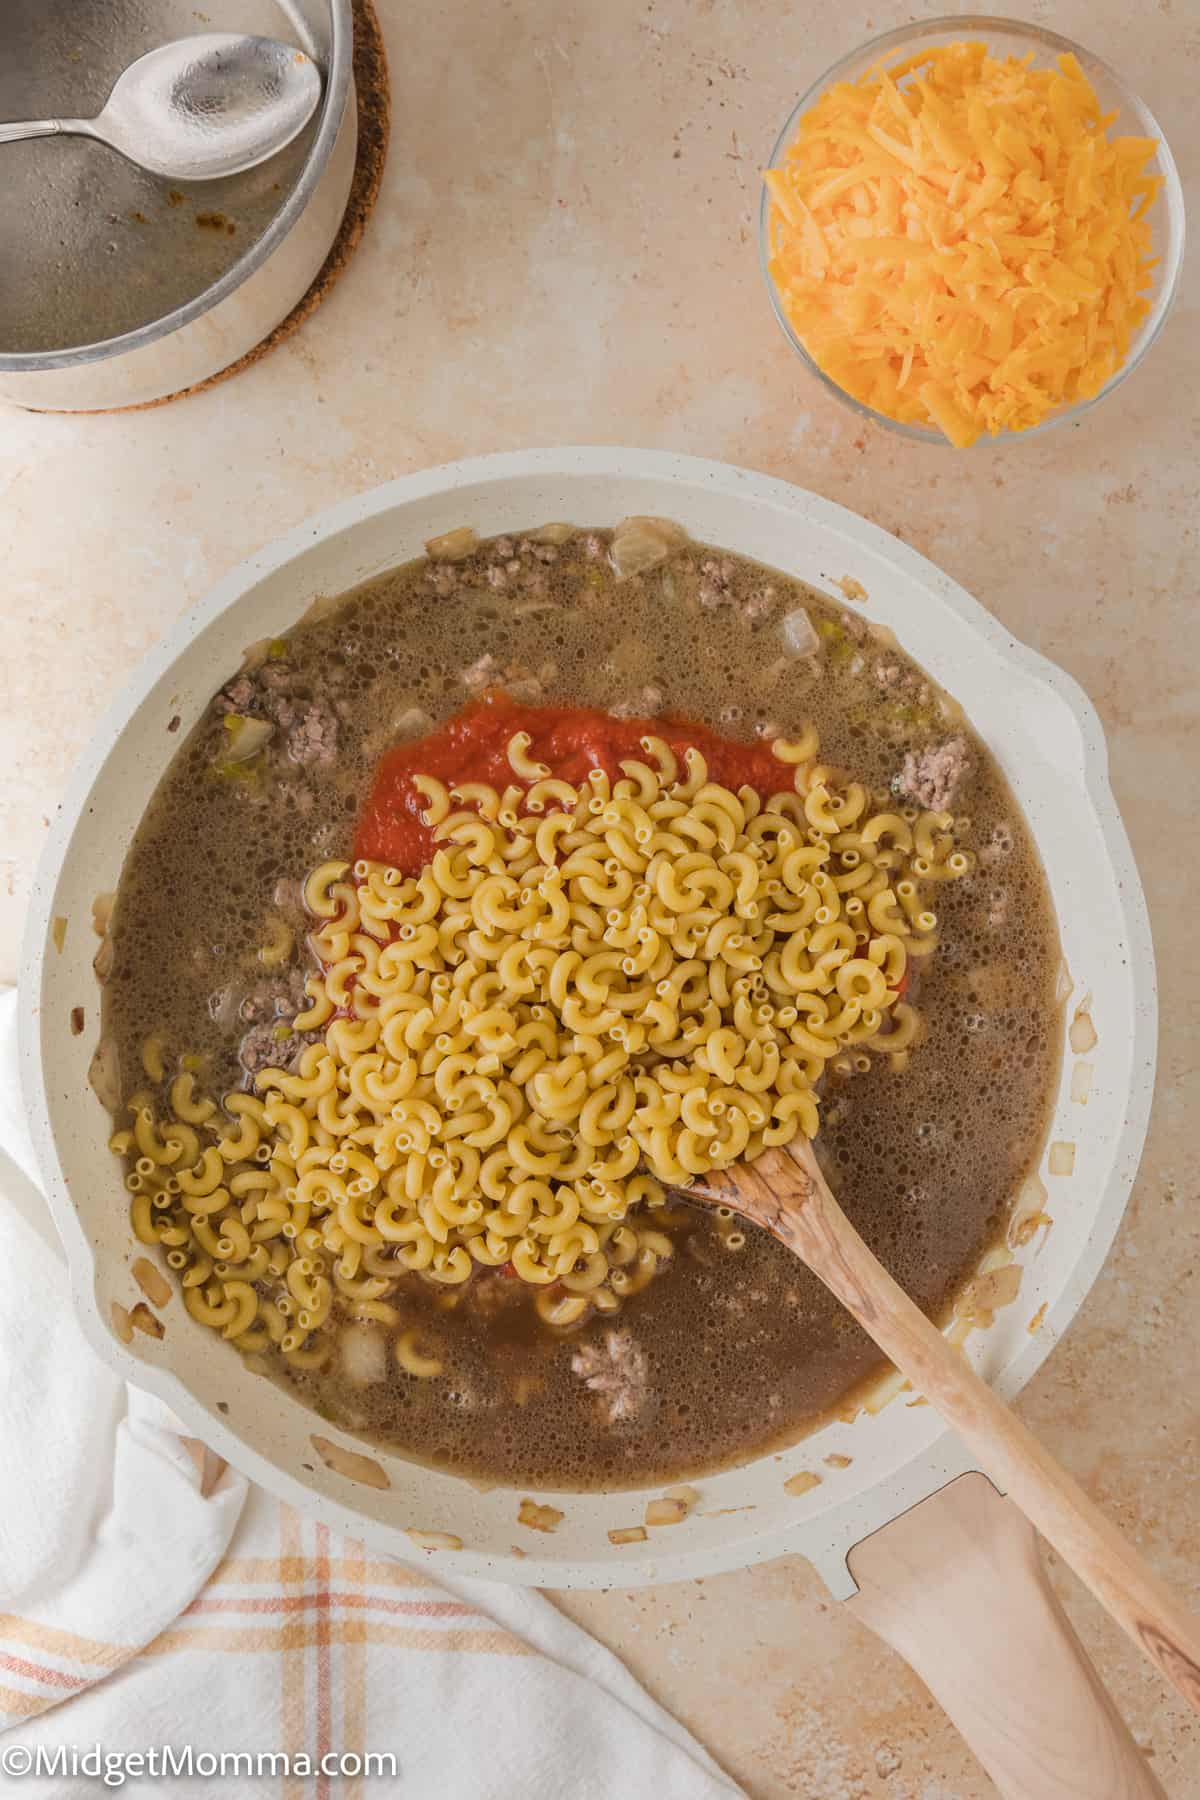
point(957, 1586)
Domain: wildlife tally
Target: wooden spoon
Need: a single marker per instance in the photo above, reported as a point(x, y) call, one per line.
point(785, 1192)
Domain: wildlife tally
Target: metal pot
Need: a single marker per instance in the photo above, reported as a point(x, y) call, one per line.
point(88, 365)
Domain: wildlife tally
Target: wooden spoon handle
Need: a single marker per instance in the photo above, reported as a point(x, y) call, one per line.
point(957, 1586)
point(786, 1193)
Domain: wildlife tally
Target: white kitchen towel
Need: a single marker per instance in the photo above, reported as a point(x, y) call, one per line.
point(147, 1611)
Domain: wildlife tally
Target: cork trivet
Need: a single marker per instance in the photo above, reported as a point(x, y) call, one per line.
point(374, 126)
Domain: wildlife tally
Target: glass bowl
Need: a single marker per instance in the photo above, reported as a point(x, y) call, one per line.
point(1008, 37)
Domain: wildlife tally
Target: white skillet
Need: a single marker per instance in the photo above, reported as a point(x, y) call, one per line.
point(1048, 740)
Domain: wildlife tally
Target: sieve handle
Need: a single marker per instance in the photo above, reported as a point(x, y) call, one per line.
point(958, 1588)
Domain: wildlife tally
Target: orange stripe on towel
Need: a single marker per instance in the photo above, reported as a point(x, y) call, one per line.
point(354, 1666)
point(323, 1599)
point(292, 1665)
point(63, 1643)
point(293, 1570)
point(324, 1661)
point(25, 1706)
point(302, 1634)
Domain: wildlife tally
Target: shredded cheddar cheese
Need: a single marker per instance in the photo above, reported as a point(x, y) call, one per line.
point(958, 242)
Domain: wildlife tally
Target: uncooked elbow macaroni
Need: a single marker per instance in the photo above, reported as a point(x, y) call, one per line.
point(590, 993)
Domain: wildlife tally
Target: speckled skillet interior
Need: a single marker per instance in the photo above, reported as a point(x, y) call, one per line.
point(1047, 741)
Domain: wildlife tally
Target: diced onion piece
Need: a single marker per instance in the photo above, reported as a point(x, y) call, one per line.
point(538, 1518)
point(802, 1483)
point(102, 907)
point(629, 1534)
point(665, 1512)
point(960, 1329)
point(362, 1350)
point(350, 1463)
point(998, 1287)
point(321, 607)
point(58, 931)
point(435, 1540)
point(452, 546)
point(1026, 1227)
point(152, 1281)
point(641, 543)
point(1081, 1082)
point(414, 721)
point(836, 1460)
point(1061, 1160)
point(104, 1072)
point(554, 533)
point(799, 634)
point(142, 1319)
point(256, 654)
point(102, 962)
point(885, 1391)
point(246, 737)
point(1083, 1035)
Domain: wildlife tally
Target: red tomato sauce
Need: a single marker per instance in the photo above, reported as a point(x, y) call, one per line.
point(569, 739)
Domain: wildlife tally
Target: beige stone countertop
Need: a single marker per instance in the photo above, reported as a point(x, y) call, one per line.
point(565, 251)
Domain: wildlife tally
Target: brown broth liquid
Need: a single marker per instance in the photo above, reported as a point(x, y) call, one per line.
point(742, 1348)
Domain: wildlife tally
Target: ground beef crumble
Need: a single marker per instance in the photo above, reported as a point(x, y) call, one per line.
point(895, 682)
point(931, 777)
point(312, 730)
point(241, 695)
point(309, 726)
point(716, 582)
point(442, 578)
point(266, 1008)
point(279, 998)
point(534, 579)
point(616, 1371)
point(261, 1049)
point(478, 674)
